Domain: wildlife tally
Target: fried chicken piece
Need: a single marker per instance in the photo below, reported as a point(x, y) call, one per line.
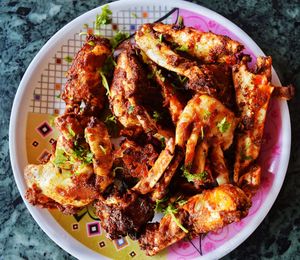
point(204, 121)
point(171, 98)
point(250, 181)
point(146, 184)
point(164, 56)
point(124, 214)
point(84, 80)
point(128, 78)
point(206, 46)
point(100, 145)
point(135, 160)
point(202, 213)
point(253, 92)
point(65, 179)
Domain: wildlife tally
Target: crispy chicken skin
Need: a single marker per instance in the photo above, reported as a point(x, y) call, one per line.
point(206, 46)
point(84, 80)
point(128, 78)
point(164, 56)
point(145, 185)
point(71, 184)
point(204, 121)
point(205, 212)
point(124, 214)
point(100, 145)
point(253, 92)
point(134, 159)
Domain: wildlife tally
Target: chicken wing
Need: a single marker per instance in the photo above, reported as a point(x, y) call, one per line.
point(84, 80)
point(206, 46)
point(209, 211)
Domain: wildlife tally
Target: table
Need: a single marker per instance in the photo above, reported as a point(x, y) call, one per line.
point(25, 27)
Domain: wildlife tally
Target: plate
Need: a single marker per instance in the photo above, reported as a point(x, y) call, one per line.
point(31, 134)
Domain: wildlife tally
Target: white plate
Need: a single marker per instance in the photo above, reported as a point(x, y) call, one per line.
point(29, 103)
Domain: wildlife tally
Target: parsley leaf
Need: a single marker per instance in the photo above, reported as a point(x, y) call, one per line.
point(159, 207)
point(110, 119)
point(105, 83)
point(223, 125)
point(119, 37)
point(160, 37)
point(206, 114)
point(163, 142)
point(91, 43)
point(193, 177)
point(104, 17)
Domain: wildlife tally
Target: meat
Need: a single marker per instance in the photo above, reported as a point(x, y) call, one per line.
point(84, 83)
point(209, 211)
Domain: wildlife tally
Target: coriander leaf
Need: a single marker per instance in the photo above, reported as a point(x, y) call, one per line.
point(182, 48)
point(105, 83)
point(134, 15)
point(71, 132)
point(159, 207)
point(180, 21)
point(206, 114)
point(110, 118)
point(202, 176)
point(68, 59)
point(223, 125)
point(130, 109)
point(60, 158)
point(156, 116)
point(91, 43)
point(172, 211)
point(119, 37)
point(163, 142)
point(160, 37)
point(88, 158)
point(104, 17)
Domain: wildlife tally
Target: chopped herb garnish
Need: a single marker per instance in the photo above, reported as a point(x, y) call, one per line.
point(68, 59)
point(163, 142)
point(202, 176)
point(105, 83)
point(104, 17)
point(60, 158)
point(182, 79)
point(91, 43)
point(172, 210)
point(130, 109)
point(182, 48)
point(89, 158)
point(223, 125)
point(119, 37)
point(103, 149)
point(85, 25)
point(58, 95)
point(160, 37)
point(71, 132)
point(156, 116)
point(159, 207)
point(180, 21)
point(134, 15)
point(110, 119)
point(206, 114)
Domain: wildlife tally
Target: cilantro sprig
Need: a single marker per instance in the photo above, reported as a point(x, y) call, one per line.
point(202, 176)
point(104, 17)
point(223, 125)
